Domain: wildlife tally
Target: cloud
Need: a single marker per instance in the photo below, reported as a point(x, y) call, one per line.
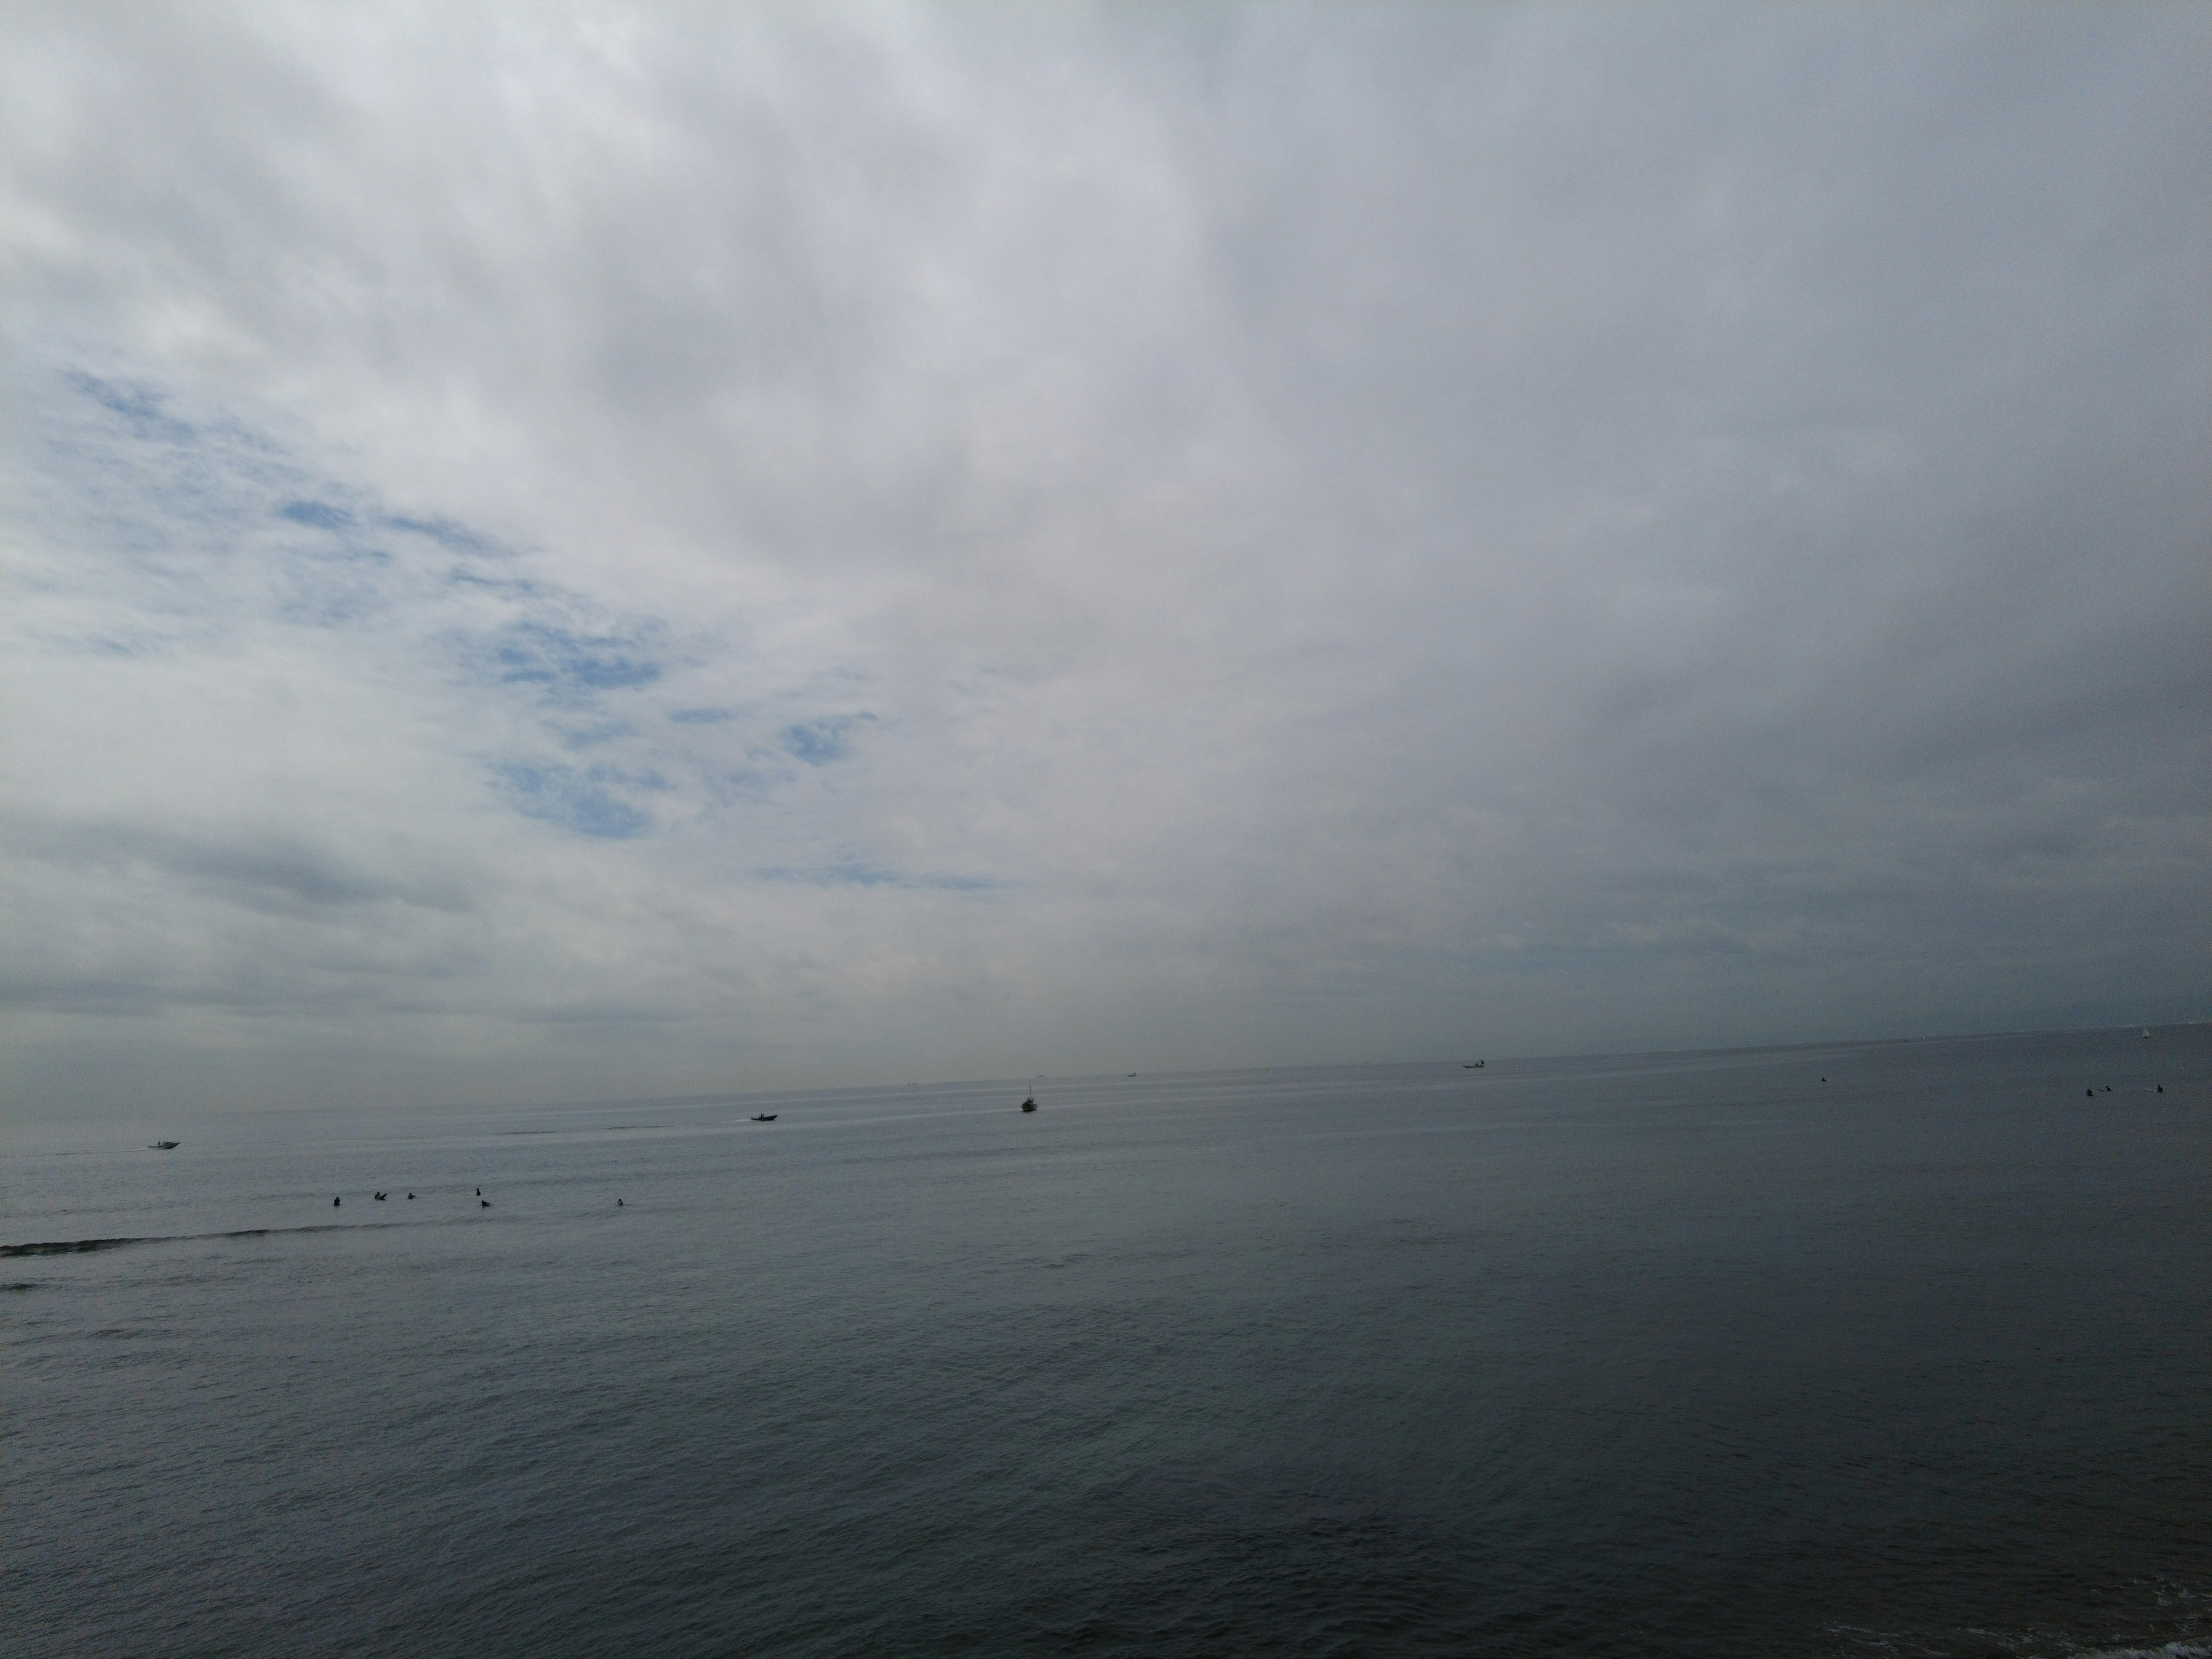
point(271, 875)
point(857, 874)
point(1355, 533)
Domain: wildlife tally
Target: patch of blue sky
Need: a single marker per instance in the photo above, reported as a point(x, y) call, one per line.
point(191, 530)
point(125, 464)
point(142, 418)
point(334, 579)
point(454, 537)
point(216, 523)
point(332, 587)
point(565, 667)
point(591, 736)
point(320, 515)
point(143, 408)
point(514, 588)
point(748, 785)
point(156, 499)
point(820, 742)
point(340, 553)
point(590, 801)
point(856, 872)
point(123, 477)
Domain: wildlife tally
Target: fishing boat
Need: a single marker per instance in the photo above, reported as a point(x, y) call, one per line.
point(764, 1117)
point(1030, 1104)
point(172, 1145)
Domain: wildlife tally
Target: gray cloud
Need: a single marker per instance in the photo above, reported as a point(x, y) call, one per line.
point(271, 874)
point(848, 545)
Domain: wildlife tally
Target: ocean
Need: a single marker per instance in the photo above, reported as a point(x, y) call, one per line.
point(1892, 1349)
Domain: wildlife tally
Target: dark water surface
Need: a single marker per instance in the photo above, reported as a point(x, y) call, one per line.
point(1668, 1355)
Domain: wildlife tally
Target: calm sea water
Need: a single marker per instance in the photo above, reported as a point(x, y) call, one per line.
point(1669, 1355)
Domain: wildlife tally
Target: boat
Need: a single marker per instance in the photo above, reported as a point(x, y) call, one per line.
point(2146, 1034)
point(1473, 1064)
point(1030, 1104)
point(764, 1117)
point(172, 1145)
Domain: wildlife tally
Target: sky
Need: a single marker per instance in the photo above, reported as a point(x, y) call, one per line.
point(592, 552)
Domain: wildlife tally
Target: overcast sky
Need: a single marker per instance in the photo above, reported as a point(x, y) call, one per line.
point(581, 551)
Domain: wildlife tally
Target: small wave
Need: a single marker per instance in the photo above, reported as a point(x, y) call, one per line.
point(2177, 1650)
point(68, 1246)
point(72, 1246)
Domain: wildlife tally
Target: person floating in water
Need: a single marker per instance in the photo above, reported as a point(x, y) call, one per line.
point(336, 1202)
point(484, 1202)
point(618, 1204)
